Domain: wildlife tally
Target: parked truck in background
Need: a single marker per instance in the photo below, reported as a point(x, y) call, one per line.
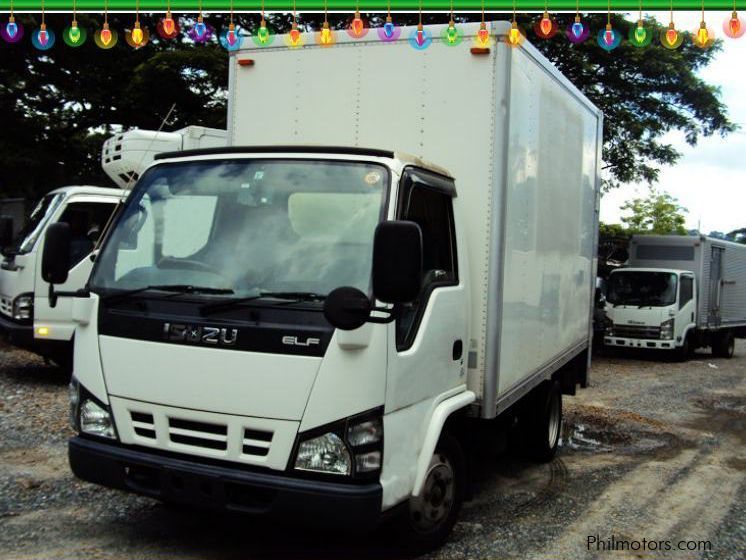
point(678, 294)
point(315, 329)
point(26, 315)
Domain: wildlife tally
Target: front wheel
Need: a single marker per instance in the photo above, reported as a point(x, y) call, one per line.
point(430, 517)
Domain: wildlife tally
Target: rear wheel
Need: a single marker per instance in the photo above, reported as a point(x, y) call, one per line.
point(724, 345)
point(541, 422)
point(431, 516)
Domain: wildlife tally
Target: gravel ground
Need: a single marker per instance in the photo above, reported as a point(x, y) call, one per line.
point(651, 450)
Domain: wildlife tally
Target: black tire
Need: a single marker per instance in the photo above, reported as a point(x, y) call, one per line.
point(428, 519)
point(724, 345)
point(682, 354)
point(540, 422)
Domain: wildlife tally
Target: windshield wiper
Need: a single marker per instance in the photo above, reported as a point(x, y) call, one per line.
point(292, 297)
point(176, 288)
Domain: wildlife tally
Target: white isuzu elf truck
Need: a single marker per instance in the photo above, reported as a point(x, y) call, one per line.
point(313, 327)
point(26, 316)
point(678, 294)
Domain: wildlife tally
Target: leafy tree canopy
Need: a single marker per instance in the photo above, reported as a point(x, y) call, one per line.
point(658, 213)
point(58, 106)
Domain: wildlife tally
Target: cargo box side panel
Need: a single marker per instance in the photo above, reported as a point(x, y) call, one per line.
point(549, 223)
point(733, 294)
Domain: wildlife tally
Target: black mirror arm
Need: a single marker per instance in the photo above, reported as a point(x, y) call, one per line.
point(54, 295)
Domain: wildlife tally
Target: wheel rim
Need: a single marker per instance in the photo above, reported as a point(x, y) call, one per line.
point(554, 421)
point(431, 508)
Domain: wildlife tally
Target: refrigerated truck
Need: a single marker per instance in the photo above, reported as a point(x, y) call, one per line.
point(315, 326)
point(679, 293)
point(27, 318)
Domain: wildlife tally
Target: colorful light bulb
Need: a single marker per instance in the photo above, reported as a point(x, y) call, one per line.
point(74, 32)
point(325, 35)
point(672, 36)
point(43, 36)
point(451, 33)
point(545, 24)
point(357, 26)
point(169, 25)
point(106, 35)
point(263, 33)
point(640, 33)
point(231, 36)
point(514, 35)
point(577, 29)
point(608, 39)
point(11, 28)
point(388, 28)
point(200, 29)
point(577, 32)
point(733, 27)
point(137, 34)
point(420, 37)
point(703, 37)
point(483, 35)
point(294, 35)
point(609, 34)
point(734, 24)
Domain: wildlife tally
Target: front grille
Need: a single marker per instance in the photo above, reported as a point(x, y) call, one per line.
point(198, 434)
point(143, 424)
point(636, 331)
point(256, 442)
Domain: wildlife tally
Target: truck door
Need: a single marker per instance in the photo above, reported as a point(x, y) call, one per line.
point(426, 357)
point(87, 217)
point(716, 282)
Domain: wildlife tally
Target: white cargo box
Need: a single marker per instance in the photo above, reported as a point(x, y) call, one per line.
point(521, 141)
point(719, 267)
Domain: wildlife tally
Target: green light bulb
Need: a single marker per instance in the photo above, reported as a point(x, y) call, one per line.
point(74, 32)
point(640, 34)
point(452, 33)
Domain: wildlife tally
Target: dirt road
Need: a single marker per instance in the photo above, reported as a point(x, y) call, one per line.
point(652, 450)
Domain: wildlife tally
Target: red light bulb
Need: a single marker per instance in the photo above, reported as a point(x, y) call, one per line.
point(294, 35)
point(106, 35)
point(483, 35)
point(169, 25)
point(545, 24)
point(357, 25)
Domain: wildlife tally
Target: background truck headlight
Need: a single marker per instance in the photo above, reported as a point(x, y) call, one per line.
point(351, 447)
point(667, 330)
point(23, 307)
point(327, 453)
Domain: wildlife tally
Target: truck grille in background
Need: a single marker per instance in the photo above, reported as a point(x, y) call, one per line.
point(635, 331)
point(198, 434)
point(143, 424)
point(256, 442)
point(6, 306)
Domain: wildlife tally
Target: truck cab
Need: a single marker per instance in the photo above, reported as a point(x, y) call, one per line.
point(23, 293)
point(650, 308)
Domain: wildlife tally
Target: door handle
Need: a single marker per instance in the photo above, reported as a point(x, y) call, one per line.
point(458, 349)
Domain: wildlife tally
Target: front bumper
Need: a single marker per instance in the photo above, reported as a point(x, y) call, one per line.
point(653, 344)
point(178, 479)
point(17, 334)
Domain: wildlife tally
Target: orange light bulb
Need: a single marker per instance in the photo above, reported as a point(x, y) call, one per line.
point(106, 35)
point(671, 36)
point(483, 35)
point(734, 24)
point(357, 24)
point(169, 25)
point(294, 35)
point(545, 24)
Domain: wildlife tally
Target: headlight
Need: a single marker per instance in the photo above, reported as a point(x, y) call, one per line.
point(609, 330)
point(353, 447)
point(88, 415)
point(327, 453)
point(96, 420)
point(23, 307)
point(667, 330)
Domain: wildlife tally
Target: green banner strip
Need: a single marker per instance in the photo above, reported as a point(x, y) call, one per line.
point(180, 6)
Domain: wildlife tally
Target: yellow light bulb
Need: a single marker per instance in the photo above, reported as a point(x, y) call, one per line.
point(137, 35)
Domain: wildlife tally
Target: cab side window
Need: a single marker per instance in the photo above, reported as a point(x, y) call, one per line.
point(687, 290)
point(426, 199)
point(87, 221)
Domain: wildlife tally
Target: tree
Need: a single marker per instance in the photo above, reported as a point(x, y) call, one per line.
point(658, 213)
point(738, 235)
point(60, 104)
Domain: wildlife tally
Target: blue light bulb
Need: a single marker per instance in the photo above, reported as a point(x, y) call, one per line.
point(200, 29)
point(388, 29)
point(577, 29)
point(11, 28)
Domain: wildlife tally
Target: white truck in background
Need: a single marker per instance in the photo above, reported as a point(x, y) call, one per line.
point(678, 294)
point(316, 331)
point(26, 316)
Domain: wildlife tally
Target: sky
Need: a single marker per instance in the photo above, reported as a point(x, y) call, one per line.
point(710, 178)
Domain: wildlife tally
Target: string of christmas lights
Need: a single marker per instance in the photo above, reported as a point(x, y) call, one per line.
point(232, 37)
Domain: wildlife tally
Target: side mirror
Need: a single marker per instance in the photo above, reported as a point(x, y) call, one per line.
point(347, 308)
point(55, 260)
point(6, 231)
point(397, 262)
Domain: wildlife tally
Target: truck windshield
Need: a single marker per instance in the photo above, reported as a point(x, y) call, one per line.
point(245, 227)
point(35, 224)
point(642, 288)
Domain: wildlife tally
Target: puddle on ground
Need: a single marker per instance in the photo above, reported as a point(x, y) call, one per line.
point(579, 438)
